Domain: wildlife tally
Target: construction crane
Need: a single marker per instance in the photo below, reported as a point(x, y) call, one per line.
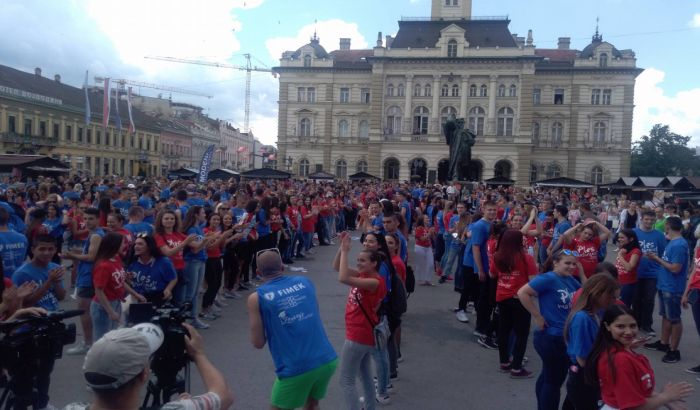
point(248, 68)
point(122, 82)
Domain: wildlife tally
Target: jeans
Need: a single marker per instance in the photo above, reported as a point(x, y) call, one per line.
point(179, 289)
point(555, 364)
point(355, 362)
point(213, 271)
point(327, 222)
point(381, 368)
point(513, 317)
point(643, 305)
point(627, 293)
point(101, 322)
point(579, 394)
point(194, 274)
point(484, 305)
point(308, 237)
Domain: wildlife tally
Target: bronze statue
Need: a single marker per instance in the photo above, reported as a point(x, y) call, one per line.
point(460, 141)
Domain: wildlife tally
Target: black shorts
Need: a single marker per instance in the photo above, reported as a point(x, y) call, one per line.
point(86, 293)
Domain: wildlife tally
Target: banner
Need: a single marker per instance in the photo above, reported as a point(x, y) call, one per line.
point(206, 164)
point(106, 102)
point(117, 117)
point(88, 114)
point(132, 127)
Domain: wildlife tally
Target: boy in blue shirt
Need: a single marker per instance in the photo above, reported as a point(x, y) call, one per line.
point(671, 285)
point(13, 245)
point(650, 241)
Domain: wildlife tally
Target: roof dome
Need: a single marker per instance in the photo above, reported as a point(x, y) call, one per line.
point(315, 44)
point(597, 40)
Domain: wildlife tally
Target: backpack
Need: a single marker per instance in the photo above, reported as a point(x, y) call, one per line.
point(397, 297)
point(410, 281)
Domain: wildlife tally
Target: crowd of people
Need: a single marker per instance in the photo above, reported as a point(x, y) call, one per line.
point(515, 256)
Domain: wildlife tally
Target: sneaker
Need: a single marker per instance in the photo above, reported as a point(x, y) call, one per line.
point(487, 342)
point(505, 368)
point(478, 334)
point(394, 377)
point(232, 294)
point(442, 280)
point(78, 349)
point(390, 388)
point(462, 316)
point(198, 324)
point(672, 356)
point(300, 256)
point(657, 345)
point(383, 399)
point(399, 359)
point(205, 316)
point(693, 370)
point(650, 332)
point(470, 307)
point(244, 287)
point(520, 374)
point(219, 304)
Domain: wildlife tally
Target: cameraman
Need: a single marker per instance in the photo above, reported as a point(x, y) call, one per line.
point(118, 366)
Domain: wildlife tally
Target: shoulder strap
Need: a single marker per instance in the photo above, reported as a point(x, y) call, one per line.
point(363, 310)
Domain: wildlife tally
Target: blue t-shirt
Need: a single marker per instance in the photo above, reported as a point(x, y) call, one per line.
point(379, 221)
point(13, 250)
point(429, 212)
point(403, 249)
point(237, 214)
point(153, 276)
point(454, 243)
point(480, 234)
point(554, 293)
point(559, 230)
point(165, 193)
point(407, 207)
point(85, 268)
point(201, 255)
point(676, 252)
point(263, 226)
point(28, 273)
point(440, 222)
point(146, 203)
point(139, 228)
point(293, 328)
point(196, 202)
point(54, 227)
point(651, 241)
point(122, 206)
point(583, 330)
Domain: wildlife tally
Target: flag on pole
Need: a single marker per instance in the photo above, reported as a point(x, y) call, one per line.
point(132, 127)
point(87, 101)
point(117, 119)
point(206, 164)
point(106, 100)
point(241, 149)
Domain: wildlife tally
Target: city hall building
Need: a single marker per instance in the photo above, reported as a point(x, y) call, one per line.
point(537, 113)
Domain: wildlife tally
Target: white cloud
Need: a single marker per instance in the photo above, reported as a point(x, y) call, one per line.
point(328, 31)
point(695, 22)
point(681, 112)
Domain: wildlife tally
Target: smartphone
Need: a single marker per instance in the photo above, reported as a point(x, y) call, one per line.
point(455, 235)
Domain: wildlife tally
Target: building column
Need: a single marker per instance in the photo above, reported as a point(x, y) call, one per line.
point(491, 122)
point(62, 131)
point(3, 119)
point(435, 120)
point(408, 92)
point(463, 99)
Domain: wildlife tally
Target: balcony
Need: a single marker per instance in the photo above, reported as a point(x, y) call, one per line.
point(142, 155)
point(29, 141)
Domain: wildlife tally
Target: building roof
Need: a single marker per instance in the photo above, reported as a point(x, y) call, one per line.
point(482, 33)
point(564, 182)
point(265, 173)
point(351, 58)
point(598, 40)
point(9, 161)
point(557, 55)
point(315, 43)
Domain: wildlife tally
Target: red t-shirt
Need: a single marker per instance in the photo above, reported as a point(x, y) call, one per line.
point(79, 226)
point(357, 327)
point(292, 214)
point(420, 232)
point(307, 224)
point(323, 209)
point(623, 276)
point(588, 253)
point(634, 381)
point(491, 245)
point(695, 281)
point(215, 251)
point(528, 240)
point(109, 275)
point(509, 283)
point(172, 241)
point(547, 237)
point(399, 267)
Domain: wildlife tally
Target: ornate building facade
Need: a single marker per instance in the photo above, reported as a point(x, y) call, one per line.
point(537, 113)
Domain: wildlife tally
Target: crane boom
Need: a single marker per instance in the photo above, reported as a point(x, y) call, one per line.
point(248, 68)
point(154, 86)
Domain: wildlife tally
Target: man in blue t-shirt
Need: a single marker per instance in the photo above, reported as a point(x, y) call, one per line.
point(136, 224)
point(650, 241)
point(284, 313)
point(560, 215)
point(49, 278)
point(405, 207)
point(671, 285)
point(391, 226)
point(13, 245)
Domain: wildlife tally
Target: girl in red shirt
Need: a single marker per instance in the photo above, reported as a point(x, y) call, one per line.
point(394, 245)
point(691, 297)
point(628, 258)
point(512, 267)
point(109, 279)
point(366, 293)
point(585, 239)
point(424, 251)
point(213, 269)
point(625, 377)
point(171, 243)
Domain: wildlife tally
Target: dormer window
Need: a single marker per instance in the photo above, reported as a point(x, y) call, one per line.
point(307, 60)
point(603, 60)
point(451, 2)
point(452, 48)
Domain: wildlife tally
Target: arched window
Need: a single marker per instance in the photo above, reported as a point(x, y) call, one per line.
point(535, 132)
point(603, 60)
point(512, 91)
point(307, 60)
point(472, 90)
point(445, 113)
point(483, 91)
point(341, 169)
point(428, 91)
point(597, 175)
point(420, 120)
point(599, 131)
point(361, 166)
point(390, 90)
point(553, 171)
point(305, 127)
point(343, 129)
point(501, 91)
point(445, 91)
point(533, 174)
point(400, 91)
point(416, 90)
point(455, 90)
point(391, 168)
point(477, 117)
point(452, 48)
point(304, 168)
point(364, 129)
point(502, 169)
point(505, 121)
point(393, 121)
point(557, 130)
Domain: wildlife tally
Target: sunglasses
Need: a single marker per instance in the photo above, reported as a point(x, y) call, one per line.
point(142, 235)
point(569, 252)
point(258, 253)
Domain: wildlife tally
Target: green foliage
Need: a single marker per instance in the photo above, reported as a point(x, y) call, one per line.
point(663, 153)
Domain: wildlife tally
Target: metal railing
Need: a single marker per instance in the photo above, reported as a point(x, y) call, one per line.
point(15, 138)
point(473, 18)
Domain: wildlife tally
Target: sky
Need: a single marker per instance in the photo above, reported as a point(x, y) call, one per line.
point(111, 39)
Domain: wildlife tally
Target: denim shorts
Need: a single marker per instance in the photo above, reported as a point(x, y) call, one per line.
point(670, 306)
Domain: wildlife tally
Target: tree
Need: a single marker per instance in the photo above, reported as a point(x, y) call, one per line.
point(663, 153)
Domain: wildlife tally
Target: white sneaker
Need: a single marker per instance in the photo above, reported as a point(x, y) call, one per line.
point(470, 307)
point(462, 316)
point(383, 399)
point(78, 349)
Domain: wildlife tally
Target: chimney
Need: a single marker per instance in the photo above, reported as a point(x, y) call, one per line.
point(345, 44)
point(37, 71)
point(57, 78)
point(564, 43)
point(389, 41)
